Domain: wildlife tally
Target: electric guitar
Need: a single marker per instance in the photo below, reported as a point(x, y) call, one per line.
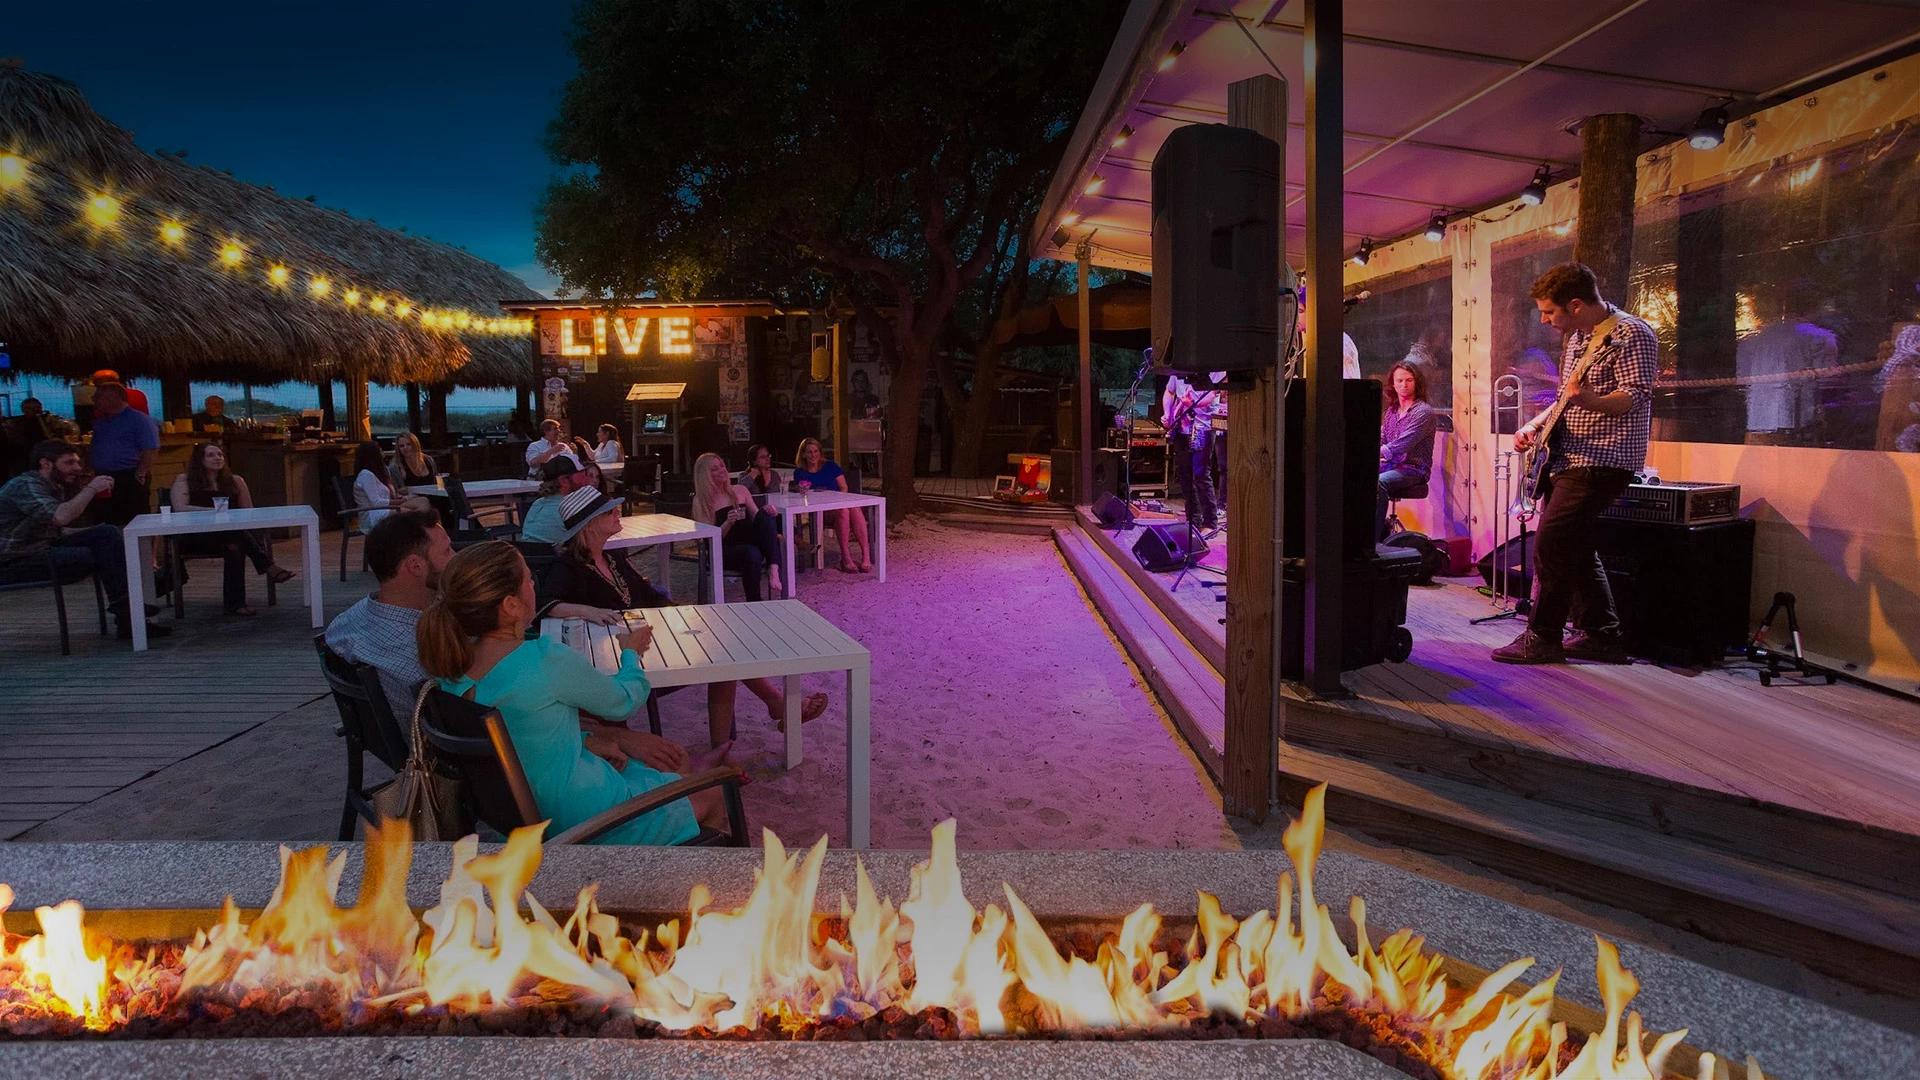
point(1534, 465)
point(1183, 407)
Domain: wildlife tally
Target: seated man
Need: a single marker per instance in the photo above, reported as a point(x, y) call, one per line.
point(212, 415)
point(36, 507)
point(406, 551)
point(550, 445)
point(558, 478)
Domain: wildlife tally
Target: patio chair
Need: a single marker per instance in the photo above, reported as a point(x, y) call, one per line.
point(177, 558)
point(349, 515)
point(464, 511)
point(38, 570)
point(368, 724)
point(474, 739)
point(815, 546)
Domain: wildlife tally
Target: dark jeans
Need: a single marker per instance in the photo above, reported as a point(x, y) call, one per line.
point(1193, 461)
point(1395, 484)
point(128, 501)
point(236, 548)
point(1568, 579)
point(96, 551)
point(751, 546)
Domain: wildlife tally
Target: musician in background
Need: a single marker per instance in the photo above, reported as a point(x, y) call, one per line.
point(1598, 443)
point(1187, 413)
point(1407, 427)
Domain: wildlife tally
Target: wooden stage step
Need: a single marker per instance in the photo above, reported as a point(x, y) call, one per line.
point(1860, 935)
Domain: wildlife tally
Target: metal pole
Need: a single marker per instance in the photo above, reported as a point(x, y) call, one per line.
point(1325, 438)
point(1083, 442)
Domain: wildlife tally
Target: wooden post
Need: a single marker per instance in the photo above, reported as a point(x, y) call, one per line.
point(840, 417)
point(1324, 440)
point(1609, 143)
point(1083, 425)
point(359, 407)
point(413, 407)
point(176, 397)
point(437, 414)
point(326, 404)
point(1250, 761)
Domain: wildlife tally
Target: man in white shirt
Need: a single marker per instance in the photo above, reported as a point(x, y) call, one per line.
point(548, 446)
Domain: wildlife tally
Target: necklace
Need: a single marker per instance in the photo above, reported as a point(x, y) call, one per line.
point(614, 578)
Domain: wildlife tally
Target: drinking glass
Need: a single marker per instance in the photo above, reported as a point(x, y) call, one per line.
point(219, 504)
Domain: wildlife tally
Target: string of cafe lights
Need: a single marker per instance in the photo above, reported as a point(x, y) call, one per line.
point(108, 213)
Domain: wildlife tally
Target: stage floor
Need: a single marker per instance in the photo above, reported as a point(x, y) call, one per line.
point(1843, 751)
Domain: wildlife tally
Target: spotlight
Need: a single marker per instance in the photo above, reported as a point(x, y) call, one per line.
point(1366, 252)
point(1709, 130)
point(1536, 193)
point(1120, 139)
point(1173, 54)
point(1437, 228)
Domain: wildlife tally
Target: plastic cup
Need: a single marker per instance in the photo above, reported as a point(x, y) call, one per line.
point(219, 504)
point(166, 511)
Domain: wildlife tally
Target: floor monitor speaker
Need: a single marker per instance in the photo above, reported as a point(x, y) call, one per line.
point(1165, 547)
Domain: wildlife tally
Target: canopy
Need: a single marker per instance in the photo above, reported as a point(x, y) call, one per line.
point(1450, 105)
point(1122, 313)
point(146, 285)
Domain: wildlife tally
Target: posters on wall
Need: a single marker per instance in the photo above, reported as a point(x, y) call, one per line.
point(735, 410)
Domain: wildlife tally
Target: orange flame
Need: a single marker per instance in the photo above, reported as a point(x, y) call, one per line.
point(771, 964)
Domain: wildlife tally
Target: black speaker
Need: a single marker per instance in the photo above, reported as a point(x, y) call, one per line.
point(1112, 512)
point(1216, 250)
point(1109, 473)
point(1164, 547)
point(1684, 591)
point(1360, 471)
point(1515, 559)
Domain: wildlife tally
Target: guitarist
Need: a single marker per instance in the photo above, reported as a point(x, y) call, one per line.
point(1595, 446)
point(1187, 413)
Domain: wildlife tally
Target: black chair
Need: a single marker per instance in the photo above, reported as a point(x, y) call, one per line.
point(816, 539)
point(368, 723)
point(42, 571)
point(473, 738)
point(464, 512)
point(349, 515)
point(177, 555)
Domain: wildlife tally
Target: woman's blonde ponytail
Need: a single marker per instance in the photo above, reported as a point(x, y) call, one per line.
point(473, 585)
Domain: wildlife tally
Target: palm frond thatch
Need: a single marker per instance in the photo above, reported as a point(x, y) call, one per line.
point(74, 298)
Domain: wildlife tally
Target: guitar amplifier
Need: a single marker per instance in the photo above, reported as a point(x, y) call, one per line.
point(1677, 502)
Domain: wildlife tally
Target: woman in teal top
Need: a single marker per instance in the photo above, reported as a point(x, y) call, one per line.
point(473, 640)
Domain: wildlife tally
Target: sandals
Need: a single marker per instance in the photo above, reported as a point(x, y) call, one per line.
point(242, 612)
point(811, 708)
point(279, 574)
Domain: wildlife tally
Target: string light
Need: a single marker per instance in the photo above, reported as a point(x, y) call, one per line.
point(103, 211)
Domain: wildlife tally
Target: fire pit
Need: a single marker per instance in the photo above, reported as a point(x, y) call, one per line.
point(807, 950)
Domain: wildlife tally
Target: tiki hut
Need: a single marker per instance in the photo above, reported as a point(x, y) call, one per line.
point(187, 272)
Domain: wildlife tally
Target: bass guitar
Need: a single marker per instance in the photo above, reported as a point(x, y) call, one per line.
point(1534, 465)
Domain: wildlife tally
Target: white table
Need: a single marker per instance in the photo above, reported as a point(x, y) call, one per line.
point(483, 489)
point(776, 639)
point(665, 530)
point(140, 532)
point(793, 506)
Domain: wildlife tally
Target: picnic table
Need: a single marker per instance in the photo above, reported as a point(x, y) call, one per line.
point(665, 530)
point(141, 531)
point(795, 505)
point(784, 639)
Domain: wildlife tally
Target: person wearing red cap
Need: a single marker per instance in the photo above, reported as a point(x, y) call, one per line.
point(136, 399)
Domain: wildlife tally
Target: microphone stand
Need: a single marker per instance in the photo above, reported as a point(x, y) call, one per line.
point(1126, 458)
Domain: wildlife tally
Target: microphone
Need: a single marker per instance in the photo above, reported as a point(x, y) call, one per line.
point(1360, 297)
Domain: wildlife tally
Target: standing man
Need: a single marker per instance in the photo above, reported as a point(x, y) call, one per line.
point(1597, 446)
point(1187, 414)
point(136, 398)
point(125, 442)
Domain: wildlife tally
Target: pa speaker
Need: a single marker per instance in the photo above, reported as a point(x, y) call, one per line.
point(1684, 592)
point(1109, 472)
point(1165, 547)
point(1359, 469)
point(1514, 559)
point(1112, 513)
point(1216, 250)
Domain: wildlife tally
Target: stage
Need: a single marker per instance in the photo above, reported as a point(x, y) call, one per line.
point(1786, 818)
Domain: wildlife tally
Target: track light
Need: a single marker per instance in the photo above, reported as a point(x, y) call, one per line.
point(1709, 129)
point(1366, 252)
point(1120, 138)
point(1172, 55)
point(1536, 193)
point(1437, 228)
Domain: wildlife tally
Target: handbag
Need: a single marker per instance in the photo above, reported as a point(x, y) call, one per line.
point(427, 801)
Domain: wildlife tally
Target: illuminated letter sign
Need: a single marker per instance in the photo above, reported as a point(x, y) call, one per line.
point(676, 336)
point(567, 345)
point(630, 341)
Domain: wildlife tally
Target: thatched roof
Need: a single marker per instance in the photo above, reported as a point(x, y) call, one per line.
point(74, 298)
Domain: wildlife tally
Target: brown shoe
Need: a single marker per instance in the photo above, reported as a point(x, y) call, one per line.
point(1530, 648)
point(1601, 648)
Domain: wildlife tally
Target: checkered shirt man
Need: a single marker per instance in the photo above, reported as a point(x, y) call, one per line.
point(1629, 360)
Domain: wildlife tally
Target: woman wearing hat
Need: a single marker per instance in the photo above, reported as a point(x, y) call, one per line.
point(601, 584)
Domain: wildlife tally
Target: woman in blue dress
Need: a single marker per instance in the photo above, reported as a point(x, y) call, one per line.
point(472, 639)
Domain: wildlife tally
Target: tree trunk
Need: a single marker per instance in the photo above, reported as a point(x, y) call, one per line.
point(1609, 144)
point(970, 441)
point(903, 426)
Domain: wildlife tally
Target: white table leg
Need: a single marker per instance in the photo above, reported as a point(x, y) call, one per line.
point(820, 540)
point(859, 758)
point(138, 552)
point(794, 699)
point(664, 582)
point(879, 538)
point(310, 566)
point(719, 571)
point(786, 554)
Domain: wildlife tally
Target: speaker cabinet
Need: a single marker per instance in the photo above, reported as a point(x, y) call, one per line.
point(1165, 547)
point(1359, 473)
point(1216, 250)
point(1683, 591)
point(1111, 511)
point(1109, 473)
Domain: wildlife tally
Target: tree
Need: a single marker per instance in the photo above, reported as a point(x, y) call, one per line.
point(885, 149)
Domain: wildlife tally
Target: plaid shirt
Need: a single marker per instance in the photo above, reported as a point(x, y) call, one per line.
point(1628, 360)
point(383, 635)
point(27, 505)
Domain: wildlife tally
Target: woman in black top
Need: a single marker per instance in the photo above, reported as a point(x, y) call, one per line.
point(602, 581)
point(207, 476)
point(411, 467)
point(760, 477)
point(749, 530)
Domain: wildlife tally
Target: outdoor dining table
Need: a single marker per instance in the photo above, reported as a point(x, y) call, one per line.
point(478, 490)
point(141, 531)
point(782, 639)
point(794, 504)
point(663, 531)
